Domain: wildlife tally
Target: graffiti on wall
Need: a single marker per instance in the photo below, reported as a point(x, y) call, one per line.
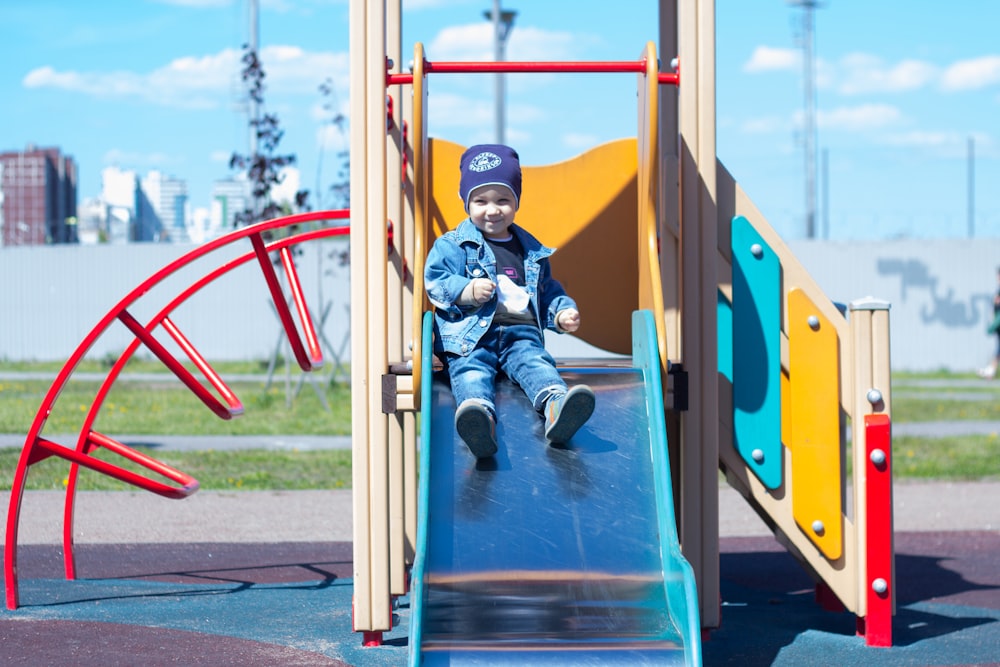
point(945, 307)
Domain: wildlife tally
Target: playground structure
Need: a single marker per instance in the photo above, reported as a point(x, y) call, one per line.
point(756, 372)
point(766, 374)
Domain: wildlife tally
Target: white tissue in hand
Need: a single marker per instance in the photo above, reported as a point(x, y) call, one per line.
point(514, 298)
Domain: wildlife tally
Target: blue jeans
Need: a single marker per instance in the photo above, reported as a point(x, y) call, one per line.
point(518, 350)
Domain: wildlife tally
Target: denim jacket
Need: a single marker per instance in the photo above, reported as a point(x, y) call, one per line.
point(462, 254)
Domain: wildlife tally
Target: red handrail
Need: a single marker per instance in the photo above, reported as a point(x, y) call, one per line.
point(513, 67)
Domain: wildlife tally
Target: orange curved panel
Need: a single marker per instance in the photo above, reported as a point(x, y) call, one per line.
point(587, 208)
point(814, 424)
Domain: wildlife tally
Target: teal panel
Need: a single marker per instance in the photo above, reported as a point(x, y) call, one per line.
point(756, 362)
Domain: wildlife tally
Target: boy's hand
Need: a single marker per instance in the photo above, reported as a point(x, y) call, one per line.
point(478, 291)
point(568, 320)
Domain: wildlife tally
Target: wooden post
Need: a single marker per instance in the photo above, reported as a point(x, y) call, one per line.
point(699, 511)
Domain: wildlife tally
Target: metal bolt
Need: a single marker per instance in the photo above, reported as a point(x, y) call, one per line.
point(818, 527)
point(877, 457)
point(874, 396)
point(813, 322)
point(757, 250)
point(880, 586)
point(409, 365)
point(757, 455)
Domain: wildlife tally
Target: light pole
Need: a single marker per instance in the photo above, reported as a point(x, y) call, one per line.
point(972, 187)
point(809, 115)
point(503, 21)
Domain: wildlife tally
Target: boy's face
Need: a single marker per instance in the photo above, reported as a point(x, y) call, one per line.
point(491, 209)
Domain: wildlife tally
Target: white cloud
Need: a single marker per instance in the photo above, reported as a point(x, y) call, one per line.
point(474, 42)
point(197, 4)
point(863, 117)
point(863, 73)
point(138, 161)
point(448, 110)
point(291, 70)
point(579, 142)
point(922, 139)
point(416, 5)
point(291, 180)
point(972, 74)
point(202, 82)
point(764, 125)
point(332, 139)
point(769, 59)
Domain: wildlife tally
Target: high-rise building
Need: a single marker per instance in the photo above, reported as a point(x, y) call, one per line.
point(230, 196)
point(120, 193)
point(39, 197)
point(161, 214)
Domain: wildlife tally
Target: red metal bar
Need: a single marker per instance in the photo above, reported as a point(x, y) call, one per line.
point(235, 405)
point(508, 66)
point(183, 374)
point(880, 583)
point(302, 308)
point(35, 448)
point(188, 484)
point(512, 67)
point(280, 305)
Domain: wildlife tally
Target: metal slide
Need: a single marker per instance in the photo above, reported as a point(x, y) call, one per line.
point(553, 555)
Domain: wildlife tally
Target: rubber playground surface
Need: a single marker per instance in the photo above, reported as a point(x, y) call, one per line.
point(187, 599)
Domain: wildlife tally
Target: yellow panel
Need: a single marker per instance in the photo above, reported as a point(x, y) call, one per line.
point(586, 207)
point(814, 424)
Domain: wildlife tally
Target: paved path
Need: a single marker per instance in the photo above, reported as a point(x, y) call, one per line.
point(306, 516)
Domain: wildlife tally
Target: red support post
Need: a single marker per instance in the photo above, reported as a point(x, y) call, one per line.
point(880, 582)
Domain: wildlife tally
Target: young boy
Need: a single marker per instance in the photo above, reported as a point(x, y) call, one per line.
point(494, 294)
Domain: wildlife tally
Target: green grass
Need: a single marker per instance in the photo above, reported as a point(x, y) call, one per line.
point(168, 408)
point(216, 470)
point(933, 408)
point(970, 457)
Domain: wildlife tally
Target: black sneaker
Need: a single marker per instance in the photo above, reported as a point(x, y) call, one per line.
point(476, 426)
point(564, 415)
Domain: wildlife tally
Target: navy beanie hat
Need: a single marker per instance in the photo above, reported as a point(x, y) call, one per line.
point(489, 164)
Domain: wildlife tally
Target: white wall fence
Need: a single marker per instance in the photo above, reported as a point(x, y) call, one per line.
point(940, 293)
point(53, 296)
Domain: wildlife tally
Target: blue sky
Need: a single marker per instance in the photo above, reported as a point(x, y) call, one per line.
point(902, 87)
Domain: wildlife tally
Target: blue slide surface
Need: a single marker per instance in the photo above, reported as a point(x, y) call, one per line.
point(553, 555)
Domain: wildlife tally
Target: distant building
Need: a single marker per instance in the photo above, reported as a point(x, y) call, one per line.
point(92, 227)
point(120, 194)
point(230, 196)
point(161, 213)
point(151, 209)
point(38, 187)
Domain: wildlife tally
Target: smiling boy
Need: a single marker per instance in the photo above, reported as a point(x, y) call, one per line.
point(493, 291)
